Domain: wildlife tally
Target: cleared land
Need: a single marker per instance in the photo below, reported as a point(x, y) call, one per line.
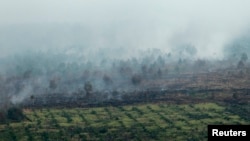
point(172, 107)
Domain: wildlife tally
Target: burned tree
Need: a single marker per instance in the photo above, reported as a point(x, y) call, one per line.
point(136, 79)
point(240, 65)
point(52, 84)
point(144, 69)
point(244, 57)
point(107, 79)
point(32, 98)
point(27, 74)
point(159, 73)
point(88, 88)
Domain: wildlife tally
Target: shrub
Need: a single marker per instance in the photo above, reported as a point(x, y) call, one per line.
point(15, 114)
point(2, 116)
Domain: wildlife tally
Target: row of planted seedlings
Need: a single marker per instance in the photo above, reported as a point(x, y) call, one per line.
point(198, 116)
point(149, 121)
point(54, 123)
point(164, 118)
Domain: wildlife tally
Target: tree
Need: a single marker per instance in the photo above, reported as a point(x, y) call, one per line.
point(160, 61)
point(244, 57)
point(107, 79)
point(177, 69)
point(240, 65)
point(136, 79)
point(27, 74)
point(45, 136)
point(166, 71)
point(32, 98)
point(144, 69)
point(200, 63)
point(88, 88)
point(235, 96)
point(15, 114)
point(2, 116)
point(159, 72)
point(190, 49)
point(52, 84)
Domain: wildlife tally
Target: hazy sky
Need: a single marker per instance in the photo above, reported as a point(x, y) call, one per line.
point(134, 24)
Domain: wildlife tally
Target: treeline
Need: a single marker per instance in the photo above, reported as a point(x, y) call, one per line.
point(26, 76)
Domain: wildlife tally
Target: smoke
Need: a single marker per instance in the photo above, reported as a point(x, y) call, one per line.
point(126, 25)
point(69, 43)
point(26, 92)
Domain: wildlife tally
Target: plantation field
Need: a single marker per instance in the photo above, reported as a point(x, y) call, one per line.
point(152, 121)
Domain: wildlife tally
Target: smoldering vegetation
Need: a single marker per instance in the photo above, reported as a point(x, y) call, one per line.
point(96, 52)
point(48, 77)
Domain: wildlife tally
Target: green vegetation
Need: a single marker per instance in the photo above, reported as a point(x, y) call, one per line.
point(158, 121)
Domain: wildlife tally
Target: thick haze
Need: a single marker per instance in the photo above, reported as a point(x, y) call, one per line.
point(117, 28)
point(59, 46)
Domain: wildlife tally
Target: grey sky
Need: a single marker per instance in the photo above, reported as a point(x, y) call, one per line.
point(207, 24)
